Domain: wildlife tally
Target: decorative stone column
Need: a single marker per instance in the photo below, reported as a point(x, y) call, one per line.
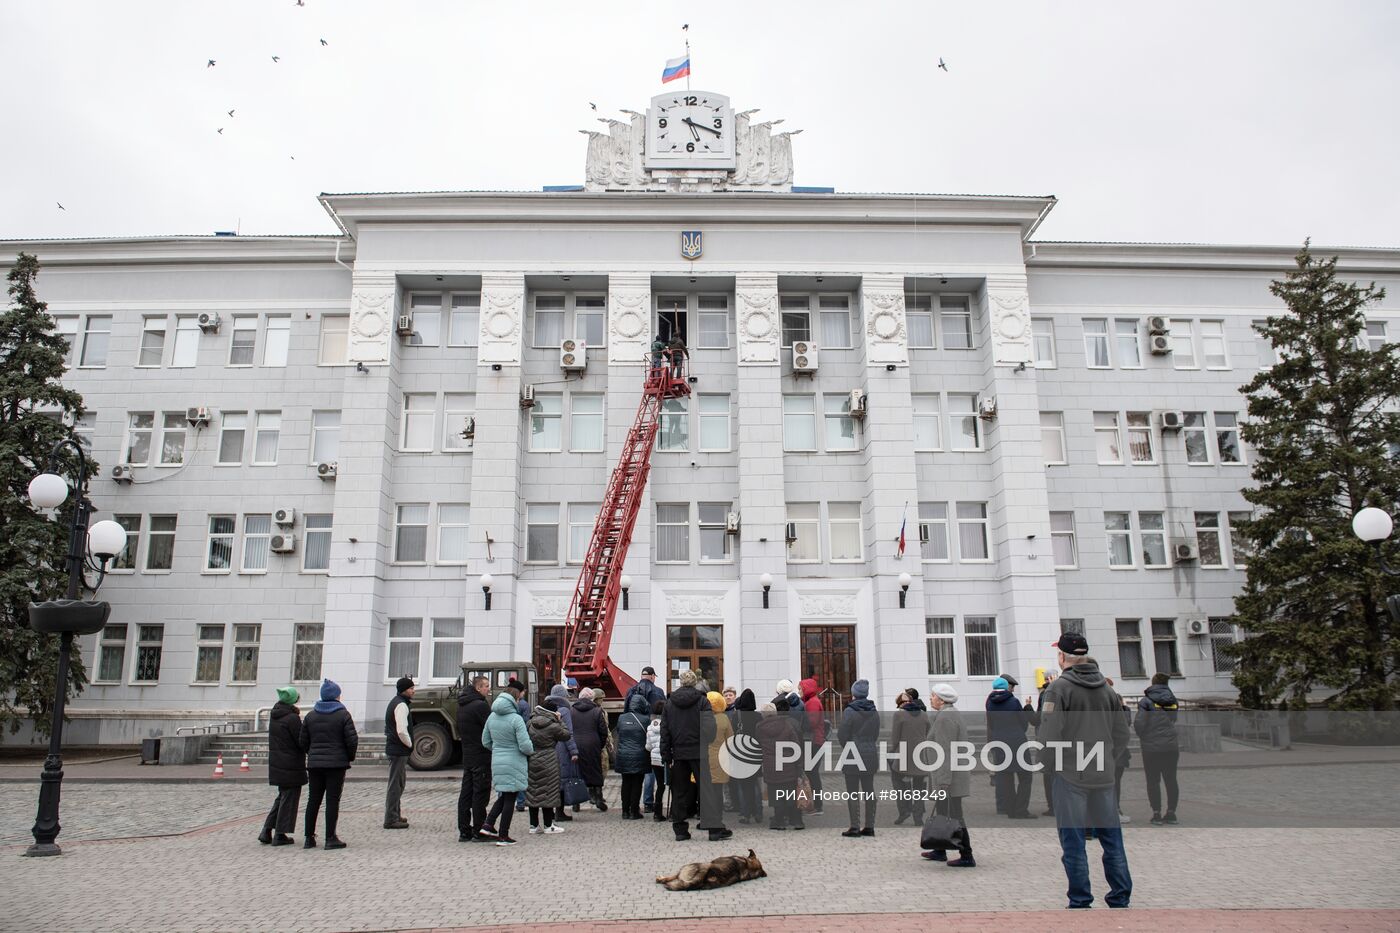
point(502, 319)
point(373, 317)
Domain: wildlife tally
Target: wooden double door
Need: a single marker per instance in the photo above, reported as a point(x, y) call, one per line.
point(829, 655)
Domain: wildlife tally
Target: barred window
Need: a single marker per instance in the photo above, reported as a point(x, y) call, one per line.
point(307, 641)
point(209, 654)
point(148, 652)
point(939, 635)
point(246, 639)
point(980, 634)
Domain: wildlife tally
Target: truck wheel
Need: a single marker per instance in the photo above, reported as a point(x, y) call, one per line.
point(432, 747)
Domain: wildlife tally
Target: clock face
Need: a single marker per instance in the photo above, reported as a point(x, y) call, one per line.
point(690, 129)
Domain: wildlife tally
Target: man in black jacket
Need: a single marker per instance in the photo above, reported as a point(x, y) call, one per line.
point(646, 686)
point(398, 745)
point(473, 709)
point(286, 767)
point(1156, 729)
point(687, 728)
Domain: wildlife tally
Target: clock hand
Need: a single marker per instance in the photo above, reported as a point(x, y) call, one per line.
point(694, 126)
point(693, 133)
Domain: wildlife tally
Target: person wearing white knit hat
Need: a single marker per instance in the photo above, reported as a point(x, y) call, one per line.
point(945, 693)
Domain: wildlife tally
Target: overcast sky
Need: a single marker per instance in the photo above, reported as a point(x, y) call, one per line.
point(1212, 121)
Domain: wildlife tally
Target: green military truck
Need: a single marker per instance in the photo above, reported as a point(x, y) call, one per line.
point(436, 743)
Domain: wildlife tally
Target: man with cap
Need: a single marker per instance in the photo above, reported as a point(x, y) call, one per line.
point(1007, 721)
point(687, 728)
point(946, 729)
point(646, 687)
point(1080, 708)
point(398, 745)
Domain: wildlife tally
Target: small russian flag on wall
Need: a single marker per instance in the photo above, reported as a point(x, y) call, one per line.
point(676, 68)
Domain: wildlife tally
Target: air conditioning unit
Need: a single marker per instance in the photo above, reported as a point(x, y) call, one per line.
point(325, 470)
point(857, 403)
point(1171, 420)
point(731, 523)
point(1197, 627)
point(987, 408)
point(197, 416)
point(284, 544)
point(790, 533)
point(123, 473)
point(804, 356)
point(405, 328)
point(573, 356)
point(1157, 324)
point(527, 396)
point(286, 518)
point(1183, 551)
point(209, 322)
point(1159, 344)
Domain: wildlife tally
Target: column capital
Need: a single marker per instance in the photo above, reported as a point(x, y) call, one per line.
point(629, 318)
point(882, 310)
point(1009, 319)
point(756, 319)
point(502, 318)
point(373, 313)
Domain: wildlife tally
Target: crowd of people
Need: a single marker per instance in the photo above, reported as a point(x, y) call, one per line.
point(550, 759)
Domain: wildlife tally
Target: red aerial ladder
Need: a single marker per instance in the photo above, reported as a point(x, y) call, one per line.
point(588, 626)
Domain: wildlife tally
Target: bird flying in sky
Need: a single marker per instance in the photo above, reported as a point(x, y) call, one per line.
point(324, 42)
point(221, 131)
point(592, 105)
point(60, 206)
point(942, 65)
point(211, 64)
point(230, 113)
point(276, 58)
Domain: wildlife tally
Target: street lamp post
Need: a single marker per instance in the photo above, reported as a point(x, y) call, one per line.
point(1373, 526)
point(67, 617)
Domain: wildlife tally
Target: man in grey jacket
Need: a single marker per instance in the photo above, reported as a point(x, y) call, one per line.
point(1080, 709)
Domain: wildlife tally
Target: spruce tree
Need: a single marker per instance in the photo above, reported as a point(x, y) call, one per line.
point(1323, 425)
point(36, 411)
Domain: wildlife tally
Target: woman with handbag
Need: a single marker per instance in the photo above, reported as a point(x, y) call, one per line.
point(950, 787)
point(590, 729)
point(633, 760)
point(542, 791)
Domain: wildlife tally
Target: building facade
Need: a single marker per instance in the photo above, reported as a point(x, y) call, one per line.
point(331, 439)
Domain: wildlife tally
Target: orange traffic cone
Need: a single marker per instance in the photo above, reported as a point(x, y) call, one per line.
point(219, 766)
point(243, 766)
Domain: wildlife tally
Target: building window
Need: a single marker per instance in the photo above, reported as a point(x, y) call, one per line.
point(96, 337)
point(1374, 337)
point(266, 438)
point(1208, 539)
point(1062, 540)
point(549, 321)
point(209, 655)
point(67, 328)
point(1213, 345)
point(411, 533)
point(799, 423)
point(465, 322)
point(453, 521)
point(1052, 437)
point(405, 641)
point(233, 426)
point(673, 533)
point(670, 318)
point(974, 541)
point(714, 423)
point(458, 421)
point(1183, 346)
point(277, 338)
point(1096, 343)
point(546, 417)
point(927, 435)
point(148, 651)
point(84, 427)
point(160, 549)
point(797, 318)
point(220, 546)
point(675, 425)
point(308, 638)
point(933, 531)
point(420, 418)
point(714, 323)
point(1072, 625)
point(152, 342)
point(955, 320)
point(448, 637)
point(980, 636)
point(804, 545)
point(586, 424)
point(1227, 437)
point(1043, 341)
point(246, 641)
point(335, 333)
point(1128, 338)
point(257, 534)
point(139, 428)
point(427, 320)
point(1164, 655)
point(542, 534)
point(918, 321)
point(844, 532)
point(172, 438)
point(964, 431)
point(1152, 534)
point(714, 538)
point(1264, 346)
point(1140, 448)
point(1222, 636)
point(111, 657)
point(1194, 434)
point(840, 426)
point(590, 319)
point(1107, 439)
point(834, 313)
point(1240, 548)
point(243, 338)
point(317, 555)
point(126, 560)
point(939, 637)
point(1130, 648)
point(1120, 539)
point(325, 436)
point(582, 517)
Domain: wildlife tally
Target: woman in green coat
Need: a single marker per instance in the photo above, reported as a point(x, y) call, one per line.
point(508, 741)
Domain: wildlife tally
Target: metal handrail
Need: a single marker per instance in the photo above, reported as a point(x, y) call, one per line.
point(220, 728)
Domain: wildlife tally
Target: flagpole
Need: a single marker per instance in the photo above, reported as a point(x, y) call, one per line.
point(686, 29)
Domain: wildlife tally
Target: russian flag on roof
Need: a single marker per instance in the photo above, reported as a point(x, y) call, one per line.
point(676, 68)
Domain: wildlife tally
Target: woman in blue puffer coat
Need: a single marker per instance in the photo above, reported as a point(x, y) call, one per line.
point(633, 759)
point(508, 741)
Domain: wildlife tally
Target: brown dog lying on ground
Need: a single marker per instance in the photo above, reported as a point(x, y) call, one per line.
point(722, 872)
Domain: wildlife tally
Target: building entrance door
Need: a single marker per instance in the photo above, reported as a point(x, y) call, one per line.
point(829, 655)
point(547, 654)
point(699, 648)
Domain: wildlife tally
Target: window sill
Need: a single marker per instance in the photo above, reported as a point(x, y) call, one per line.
point(416, 450)
point(105, 683)
point(1066, 567)
point(804, 561)
point(263, 464)
point(252, 573)
point(408, 563)
point(976, 560)
point(143, 683)
point(530, 451)
point(936, 560)
point(328, 366)
point(238, 366)
point(315, 573)
point(575, 450)
point(157, 572)
point(847, 560)
point(238, 464)
point(215, 573)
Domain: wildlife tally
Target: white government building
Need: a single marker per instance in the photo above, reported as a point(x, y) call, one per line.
point(318, 443)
